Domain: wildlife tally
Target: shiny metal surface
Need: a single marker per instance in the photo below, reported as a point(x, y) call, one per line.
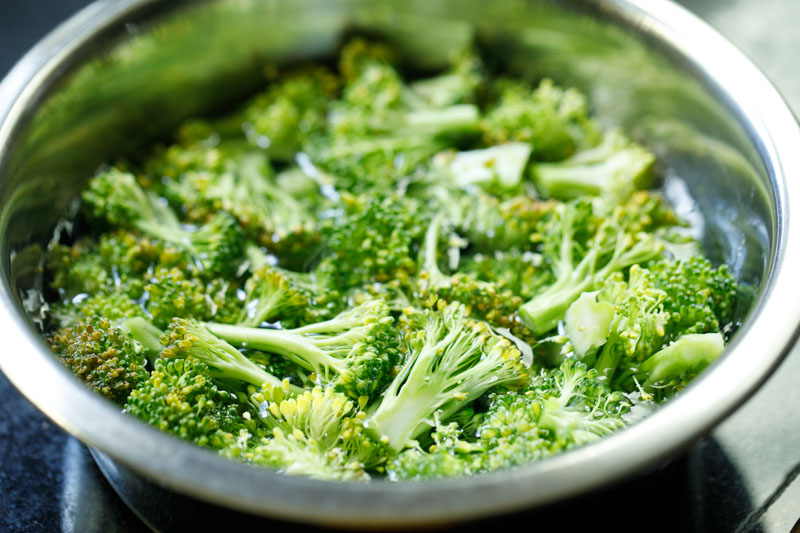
point(112, 78)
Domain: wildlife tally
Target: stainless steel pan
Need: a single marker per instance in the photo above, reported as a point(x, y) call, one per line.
point(122, 73)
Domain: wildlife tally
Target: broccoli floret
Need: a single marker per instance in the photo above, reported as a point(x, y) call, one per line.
point(360, 54)
point(319, 433)
point(638, 326)
point(496, 168)
point(564, 408)
point(582, 259)
point(491, 224)
point(77, 269)
point(355, 352)
point(627, 322)
point(129, 254)
point(553, 120)
point(381, 130)
point(388, 146)
point(265, 211)
point(376, 240)
point(461, 83)
point(450, 361)
point(189, 338)
point(102, 356)
point(181, 398)
point(171, 292)
point(115, 196)
point(115, 306)
point(520, 272)
point(450, 455)
point(272, 293)
point(281, 119)
point(482, 298)
point(699, 297)
point(613, 169)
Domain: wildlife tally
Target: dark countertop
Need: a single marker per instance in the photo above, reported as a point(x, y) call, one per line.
point(741, 478)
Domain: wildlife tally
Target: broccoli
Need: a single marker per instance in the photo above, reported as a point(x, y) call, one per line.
point(627, 322)
point(450, 455)
point(450, 361)
point(613, 169)
point(519, 272)
point(358, 274)
point(461, 83)
point(264, 210)
point(637, 328)
point(189, 338)
point(272, 293)
point(563, 408)
point(319, 433)
point(669, 370)
point(77, 269)
point(170, 293)
point(282, 118)
point(182, 399)
point(376, 240)
point(355, 351)
point(381, 130)
point(115, 306)
point(482, 298)
point(699, 298)
point(116, 197)
point(102, 356)
point(582, 259)
point(553, 120)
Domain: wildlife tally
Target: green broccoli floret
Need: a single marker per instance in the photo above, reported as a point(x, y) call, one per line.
point(202, 149)
point(450, 361)
point(380, 130)
point(497, 168)
point(272, 293)
point(265, 211)
point(491, 224)
point(189, 338)
point(77, 269)
point(102, 357)
point(564, 408)
point(699, 297)
point(553, 120)
point(376, 240)
point(582, 259)
point(115, 196)
point(482, 299)
point(171, 292)
point(461, 83)
point(281, 119)
point(638, 326)
point(355, 352)
point(360, 54)
point(114, 305)
point(181, 398)
point(613, 169)
point(129, 255)
point(520, 272)
point(319, 433)
point(294, 298)
point(450, 455)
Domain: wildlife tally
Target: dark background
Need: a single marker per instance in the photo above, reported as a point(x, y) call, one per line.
point(741, 478)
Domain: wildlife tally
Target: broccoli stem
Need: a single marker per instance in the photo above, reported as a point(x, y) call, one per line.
point(282, 342)
point(688, 355)
point(145, 333)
